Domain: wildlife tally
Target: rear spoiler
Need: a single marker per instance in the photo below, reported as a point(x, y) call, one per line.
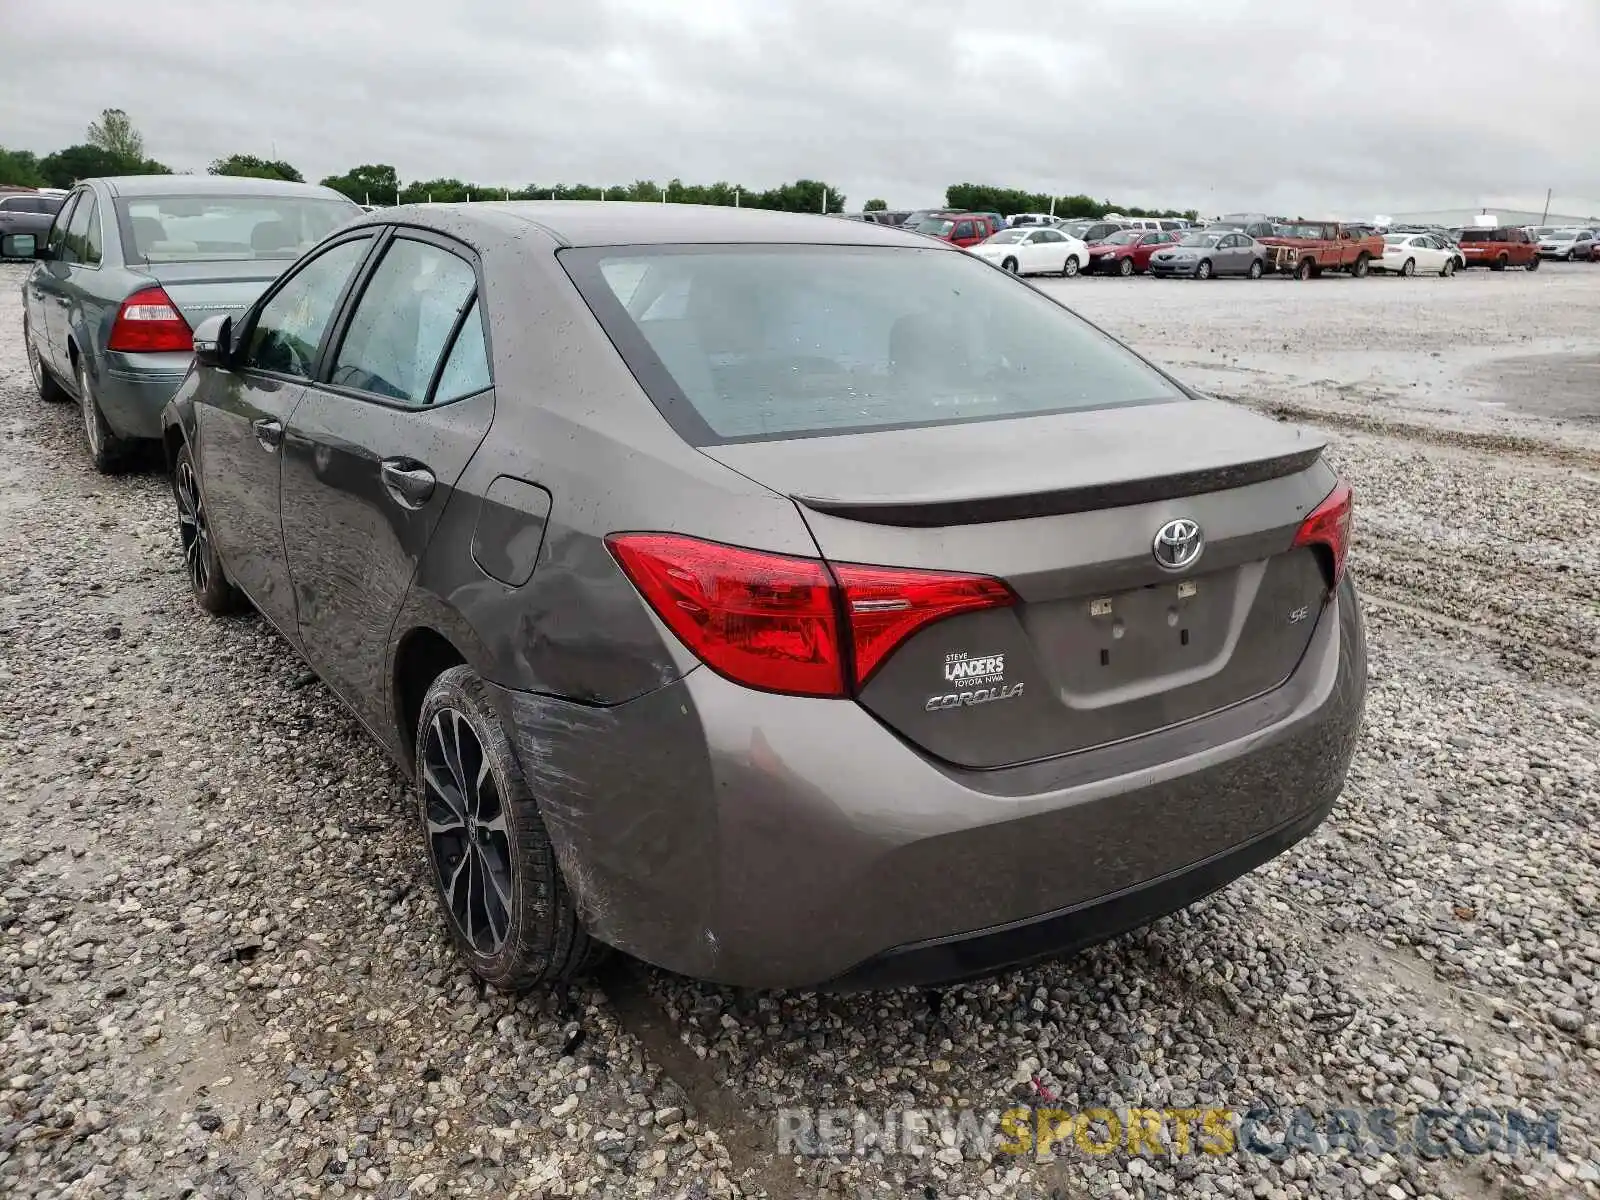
point(937, 511)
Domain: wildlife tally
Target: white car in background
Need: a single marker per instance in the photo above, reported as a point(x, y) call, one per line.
point(1033, 250)
point(1418, 253)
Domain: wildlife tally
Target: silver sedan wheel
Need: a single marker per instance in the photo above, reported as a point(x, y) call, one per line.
point(93, 426)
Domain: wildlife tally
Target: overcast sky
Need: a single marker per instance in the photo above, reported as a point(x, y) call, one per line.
point(1351, 108)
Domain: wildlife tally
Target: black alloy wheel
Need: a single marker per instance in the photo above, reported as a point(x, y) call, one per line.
point(207, 582)
point(501, 891)
point(467, 836)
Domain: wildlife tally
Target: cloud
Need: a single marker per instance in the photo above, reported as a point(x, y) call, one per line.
point(1364, 106)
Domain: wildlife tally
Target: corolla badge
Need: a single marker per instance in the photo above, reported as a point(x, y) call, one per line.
point(1178, 544)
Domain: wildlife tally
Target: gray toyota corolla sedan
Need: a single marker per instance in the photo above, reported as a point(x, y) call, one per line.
point(131, 265)
point(784, 601)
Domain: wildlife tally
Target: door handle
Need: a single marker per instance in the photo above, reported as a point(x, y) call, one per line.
point(268, 432)
point(408, 481)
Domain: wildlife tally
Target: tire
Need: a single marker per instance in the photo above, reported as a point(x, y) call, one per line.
point(1359, 268)
point(1533, 263)
point(106, 449)
point(1304, 269)
point(1499, 264)
point(1125, 268)
point(1203, 271)
point(1010, 265)
point(1408, 268)
point(479, 821)
point(1070, 267)
point(49, 389)
point(1449, 268)
point(208, 583)
point(1257, 268)
point(1567, 257)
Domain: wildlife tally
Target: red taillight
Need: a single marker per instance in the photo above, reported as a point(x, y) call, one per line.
point(886, 605)
point(765, 620)
point(149, 321)
point(782, 623)
point(1329, 525)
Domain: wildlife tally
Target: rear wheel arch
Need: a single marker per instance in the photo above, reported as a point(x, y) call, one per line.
point(172, 441)
point(421, 656)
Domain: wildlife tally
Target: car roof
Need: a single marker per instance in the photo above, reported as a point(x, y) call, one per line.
point(620, 223)
point(210, 185)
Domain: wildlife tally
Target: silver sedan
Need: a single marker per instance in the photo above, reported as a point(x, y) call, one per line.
point(1208, 252)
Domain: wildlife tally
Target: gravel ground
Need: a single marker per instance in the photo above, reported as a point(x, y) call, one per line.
point(219, 975)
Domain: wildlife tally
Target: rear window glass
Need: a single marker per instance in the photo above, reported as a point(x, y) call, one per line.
point(766, 342)
point(1483, 235)
point(204, 228)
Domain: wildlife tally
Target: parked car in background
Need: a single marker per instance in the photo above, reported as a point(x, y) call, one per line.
point(1256, 229)
point(1568, 244)
point(958, 228)
point(1498, 248)
point(1090, 232)
point(1257, 225)
point(889, 216)
point(28, 212)
point(917, 215)
point(1032, 219)
point(1151, 223)
point(1204, 253)
point(131, 265)
point(1128, 251)
point(1306, 249)
point(1409, 253)
point(1034, 250)
point(843, 717)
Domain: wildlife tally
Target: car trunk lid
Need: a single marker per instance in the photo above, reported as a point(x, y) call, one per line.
point(1103, 642)
point(204, 289)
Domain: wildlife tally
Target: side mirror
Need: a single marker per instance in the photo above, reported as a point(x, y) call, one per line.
point(20, 245)
point(213, 342)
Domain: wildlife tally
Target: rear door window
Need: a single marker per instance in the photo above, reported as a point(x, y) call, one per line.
point(403, 320)
point(466, 368)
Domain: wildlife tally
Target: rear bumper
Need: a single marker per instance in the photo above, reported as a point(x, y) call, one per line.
point(133, 389)
point(770, 841)
point(973, 955)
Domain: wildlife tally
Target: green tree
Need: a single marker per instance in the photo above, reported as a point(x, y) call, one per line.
point(115, 134)
point(982, 197)
point(438, 191)
point(875, 205)
point(20, 168)
point(803, 195)
point(374, 183)
point(251, 167)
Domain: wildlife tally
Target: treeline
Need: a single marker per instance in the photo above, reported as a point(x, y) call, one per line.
point(113, 146)
point(983, 197)
point(379, 183)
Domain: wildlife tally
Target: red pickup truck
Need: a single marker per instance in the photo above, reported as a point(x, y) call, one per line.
point(1499, 248)
point(1306, 249)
